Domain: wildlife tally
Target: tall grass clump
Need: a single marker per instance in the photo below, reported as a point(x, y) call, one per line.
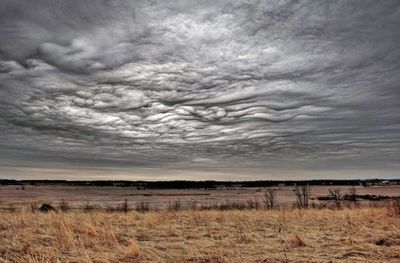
point(302, 196)
point(269, 196)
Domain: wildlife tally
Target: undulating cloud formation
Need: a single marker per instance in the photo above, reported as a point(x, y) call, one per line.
point(199, 89)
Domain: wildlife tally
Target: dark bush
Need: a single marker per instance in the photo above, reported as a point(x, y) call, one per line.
point(46, 208)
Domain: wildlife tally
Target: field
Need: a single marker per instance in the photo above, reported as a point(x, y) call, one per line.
point(363, 232)
point(295, 235)
point(81, 196)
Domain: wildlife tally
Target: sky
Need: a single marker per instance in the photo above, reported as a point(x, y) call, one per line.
point(196, 90)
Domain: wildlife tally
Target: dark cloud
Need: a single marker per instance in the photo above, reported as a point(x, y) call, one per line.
point(252, 85)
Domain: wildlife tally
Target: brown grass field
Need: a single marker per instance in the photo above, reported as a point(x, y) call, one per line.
point(367, 234)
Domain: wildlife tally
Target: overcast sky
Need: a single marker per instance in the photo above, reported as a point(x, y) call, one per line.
point(223, 90)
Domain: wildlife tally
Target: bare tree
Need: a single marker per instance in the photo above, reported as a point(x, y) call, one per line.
point(270, 198)
point(336, 197)
point(302, 195)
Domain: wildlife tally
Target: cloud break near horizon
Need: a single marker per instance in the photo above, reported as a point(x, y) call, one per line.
point(195, 90)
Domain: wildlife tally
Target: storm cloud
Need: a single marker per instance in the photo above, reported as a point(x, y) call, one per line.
point(226, 87)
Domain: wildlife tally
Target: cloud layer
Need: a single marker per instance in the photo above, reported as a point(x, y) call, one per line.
point(217, 85)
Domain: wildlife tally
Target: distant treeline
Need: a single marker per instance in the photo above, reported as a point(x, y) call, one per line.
point(181, 184)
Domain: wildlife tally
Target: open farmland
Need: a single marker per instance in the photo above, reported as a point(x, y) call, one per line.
point(80, 196)
point(91, 225)
point(324, 235)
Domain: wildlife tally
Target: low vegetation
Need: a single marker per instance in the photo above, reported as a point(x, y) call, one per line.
point(342, 226)
point(367, 234)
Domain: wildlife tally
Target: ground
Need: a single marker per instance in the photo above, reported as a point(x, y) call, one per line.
point(80, 196)
point(368, 234)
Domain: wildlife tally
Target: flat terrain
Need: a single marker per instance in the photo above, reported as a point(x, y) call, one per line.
point(315, 235)
point(368, 231)
point(80, 196)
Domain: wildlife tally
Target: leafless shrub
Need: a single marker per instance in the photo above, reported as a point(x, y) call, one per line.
point(44, 208)
point(231, 205)
point(175, 206)
point(253, 204)
point(323, 204)
point(225, 206)
point(302, 195)
point(123, 207)
point(142, 206)
point(270, 198)
point(111, 209)
point(237, 205)
point(352, 196)
point(336, 197)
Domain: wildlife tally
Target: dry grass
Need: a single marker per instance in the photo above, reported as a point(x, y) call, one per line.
point(348, 235)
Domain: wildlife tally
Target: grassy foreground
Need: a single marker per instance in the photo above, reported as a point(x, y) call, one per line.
point(348, 235)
